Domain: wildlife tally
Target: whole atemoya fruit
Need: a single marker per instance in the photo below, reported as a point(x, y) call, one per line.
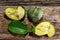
point(35, 14)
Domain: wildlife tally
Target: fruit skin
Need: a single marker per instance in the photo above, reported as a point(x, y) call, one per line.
point(49, 29)
point(35, 14)
point(16, 11)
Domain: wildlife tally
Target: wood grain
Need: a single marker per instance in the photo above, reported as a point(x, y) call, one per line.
point(51, 14)
point(30, 2)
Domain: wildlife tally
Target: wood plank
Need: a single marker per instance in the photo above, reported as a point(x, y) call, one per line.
point(51, 13)
point(30, 2)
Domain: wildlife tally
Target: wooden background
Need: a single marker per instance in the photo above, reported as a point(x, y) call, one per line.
point(51, 14)
point(30, 2)
point(51, 10)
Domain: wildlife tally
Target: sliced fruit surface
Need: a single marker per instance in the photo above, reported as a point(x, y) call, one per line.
point(41, 29)
point(45, 28)
point(15, 13)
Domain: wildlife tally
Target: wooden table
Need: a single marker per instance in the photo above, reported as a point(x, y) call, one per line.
point(30, 2)
point(51, 14)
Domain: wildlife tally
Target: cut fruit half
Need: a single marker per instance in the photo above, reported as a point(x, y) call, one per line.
point(15, 13)
point(44, 28)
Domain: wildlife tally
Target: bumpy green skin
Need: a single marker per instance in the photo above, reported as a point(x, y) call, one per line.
point(35, 14)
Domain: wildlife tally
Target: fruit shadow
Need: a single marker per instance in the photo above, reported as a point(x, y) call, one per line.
point(34, 35)
point(6, 17)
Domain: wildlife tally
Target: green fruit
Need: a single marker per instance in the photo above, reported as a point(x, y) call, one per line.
point(17, 27)
point(35, 14)
point(45, 28)
point(15, 13)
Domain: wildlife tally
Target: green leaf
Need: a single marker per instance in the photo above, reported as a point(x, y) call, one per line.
point(17, 27)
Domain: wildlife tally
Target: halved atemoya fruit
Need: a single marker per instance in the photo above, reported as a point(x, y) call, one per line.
point(44, 28)
point(15, 13)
